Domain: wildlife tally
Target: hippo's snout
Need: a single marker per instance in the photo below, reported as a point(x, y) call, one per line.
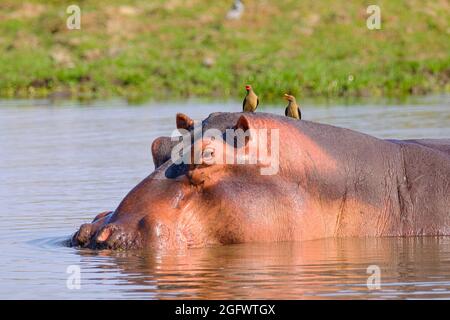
point(110, 236)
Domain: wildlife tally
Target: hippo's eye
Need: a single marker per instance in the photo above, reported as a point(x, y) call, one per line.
point(208, 156)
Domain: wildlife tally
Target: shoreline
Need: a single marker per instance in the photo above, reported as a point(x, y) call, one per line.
point(182, 49)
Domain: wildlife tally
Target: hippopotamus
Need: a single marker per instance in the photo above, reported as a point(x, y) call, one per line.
point(330, 182)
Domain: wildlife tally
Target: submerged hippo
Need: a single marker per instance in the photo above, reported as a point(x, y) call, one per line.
point(330, 182)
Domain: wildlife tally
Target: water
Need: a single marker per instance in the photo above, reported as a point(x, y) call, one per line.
point(62, 164)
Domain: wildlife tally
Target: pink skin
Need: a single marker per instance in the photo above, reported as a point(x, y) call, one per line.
point(332, 182)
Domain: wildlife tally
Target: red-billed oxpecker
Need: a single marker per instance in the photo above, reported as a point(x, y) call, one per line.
point(292, 109)
point(251, 100)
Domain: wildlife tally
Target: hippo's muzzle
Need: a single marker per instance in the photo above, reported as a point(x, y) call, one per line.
point(98, 235)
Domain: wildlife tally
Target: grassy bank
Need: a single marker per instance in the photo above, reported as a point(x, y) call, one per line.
point(179, 48)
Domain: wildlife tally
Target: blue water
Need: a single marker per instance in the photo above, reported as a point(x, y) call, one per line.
point(62, 163)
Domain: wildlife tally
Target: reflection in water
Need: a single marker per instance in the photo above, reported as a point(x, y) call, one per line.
point(61, 165)
point(313, 269)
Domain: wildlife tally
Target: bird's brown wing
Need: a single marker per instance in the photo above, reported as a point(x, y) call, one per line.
point(243, 104)
point(286, 111)
point(299, 113)
point(257, 102)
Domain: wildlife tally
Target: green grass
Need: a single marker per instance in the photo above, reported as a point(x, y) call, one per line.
point(159, 49)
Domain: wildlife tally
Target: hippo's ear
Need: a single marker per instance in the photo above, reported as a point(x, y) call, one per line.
point(243, 123)
point(184, 122)
point(162, 150)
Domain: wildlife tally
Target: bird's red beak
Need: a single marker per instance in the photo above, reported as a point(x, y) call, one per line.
point(248, 88)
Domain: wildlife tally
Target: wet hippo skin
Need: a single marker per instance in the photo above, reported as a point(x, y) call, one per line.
point(331, 182)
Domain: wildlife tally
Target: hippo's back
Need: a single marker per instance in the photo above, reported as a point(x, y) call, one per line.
point(442, 145)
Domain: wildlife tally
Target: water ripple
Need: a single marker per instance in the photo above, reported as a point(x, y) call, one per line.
point(59, 166)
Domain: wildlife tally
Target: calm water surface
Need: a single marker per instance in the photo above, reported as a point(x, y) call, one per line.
point(60, 164)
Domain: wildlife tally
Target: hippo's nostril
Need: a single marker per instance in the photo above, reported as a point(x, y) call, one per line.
point(86, 228)
point(83, 235)
point(115, 237)
point(105, 233)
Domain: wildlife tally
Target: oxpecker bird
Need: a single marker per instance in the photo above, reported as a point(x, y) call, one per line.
point(251, 100)
point(292, 109)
